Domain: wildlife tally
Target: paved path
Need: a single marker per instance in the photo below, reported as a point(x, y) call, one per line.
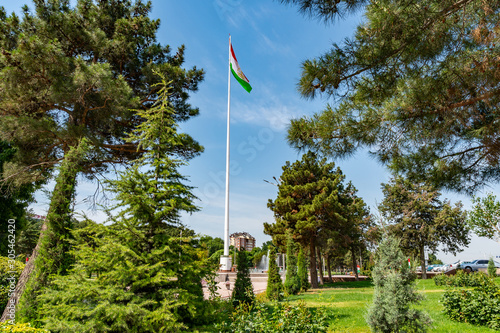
point(259, 283)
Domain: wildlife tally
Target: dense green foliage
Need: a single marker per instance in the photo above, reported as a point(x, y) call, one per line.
point(53, 257)
point(312, 201)
point(136, 274)
point(484, 218)
point(292, 280)
point(417, 84)
point(6, 278)
point(94, 62)
point(14, 200)
point(20, 328)
point(395, 293)
point(275, 317)
point(302, 271)
point(492, 270)
point(462, 279)
point(421, 220)
point(480, 306)
point(243, 288)
point(274, 289)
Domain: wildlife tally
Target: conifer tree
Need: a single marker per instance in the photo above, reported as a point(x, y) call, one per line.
point(292, 280)
point(394, 293)
point(142, 279)
point(274, 290)
point(69, 73)
point(492, 270)
point(417, 85)
point(308, 200)
point(243, 288)
point(302, 271)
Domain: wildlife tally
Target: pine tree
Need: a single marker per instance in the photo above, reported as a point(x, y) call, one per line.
point(308, 200)
point(394, 293)
point(292, 280)
point(142, 278)
point(243, 288)
point(302, 271)
point(274, 290)
point(417, 85)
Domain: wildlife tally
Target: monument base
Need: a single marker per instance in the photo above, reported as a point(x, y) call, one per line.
point(225, 264)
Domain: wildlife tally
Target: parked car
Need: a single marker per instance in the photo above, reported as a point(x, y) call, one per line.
point(475, 265)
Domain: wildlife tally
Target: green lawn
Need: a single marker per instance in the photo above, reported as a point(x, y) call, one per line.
point(347, 303)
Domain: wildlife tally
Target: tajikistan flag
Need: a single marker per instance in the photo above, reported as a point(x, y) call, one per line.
point(236, 70)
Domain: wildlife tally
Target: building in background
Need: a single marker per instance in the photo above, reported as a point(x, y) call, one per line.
point(242, 240)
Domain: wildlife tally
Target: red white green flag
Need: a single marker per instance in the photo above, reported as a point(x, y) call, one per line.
point(236, 70)
point(409, 264)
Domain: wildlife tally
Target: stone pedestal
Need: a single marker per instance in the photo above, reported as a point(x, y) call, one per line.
point(225, 264)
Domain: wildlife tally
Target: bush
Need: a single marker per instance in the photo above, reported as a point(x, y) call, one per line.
point(20, 328)
point(6, 278)
point(480, 306)
point(277, 317)
point(462, 279)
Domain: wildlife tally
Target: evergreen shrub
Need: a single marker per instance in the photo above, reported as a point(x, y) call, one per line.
point(274, 317)
point(395, 293)
point(492, 270)
point(292, 280)
point(243, 288)
point(6, 278)
point(274, 290)
point(20, 328)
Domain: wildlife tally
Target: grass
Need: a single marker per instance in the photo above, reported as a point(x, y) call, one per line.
point(347, 303)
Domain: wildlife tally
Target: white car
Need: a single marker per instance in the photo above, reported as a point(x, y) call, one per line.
point(475, 265)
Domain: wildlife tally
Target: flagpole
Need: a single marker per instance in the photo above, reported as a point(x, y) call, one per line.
point(225, 260)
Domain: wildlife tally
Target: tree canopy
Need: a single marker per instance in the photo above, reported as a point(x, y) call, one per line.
point(418, 217)
point(72, 72)
point(484, 217)
point(417, 85)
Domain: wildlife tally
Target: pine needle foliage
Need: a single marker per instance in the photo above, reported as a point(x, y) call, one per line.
point(133, 275)
point(394, 293)
point(274, 290)
point(417, 85)
point(243, 288)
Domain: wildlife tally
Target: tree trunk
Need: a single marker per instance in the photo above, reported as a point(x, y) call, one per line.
point(312, 264)
point(320, 265)
point(328, 267)
point(23, 278)
point(354, 266)
point(52, 242)
point(422, 262)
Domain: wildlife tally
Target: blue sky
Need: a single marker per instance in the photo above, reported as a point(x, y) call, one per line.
point(271, 41)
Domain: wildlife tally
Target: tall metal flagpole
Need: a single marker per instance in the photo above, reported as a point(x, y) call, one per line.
point(225, 260)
